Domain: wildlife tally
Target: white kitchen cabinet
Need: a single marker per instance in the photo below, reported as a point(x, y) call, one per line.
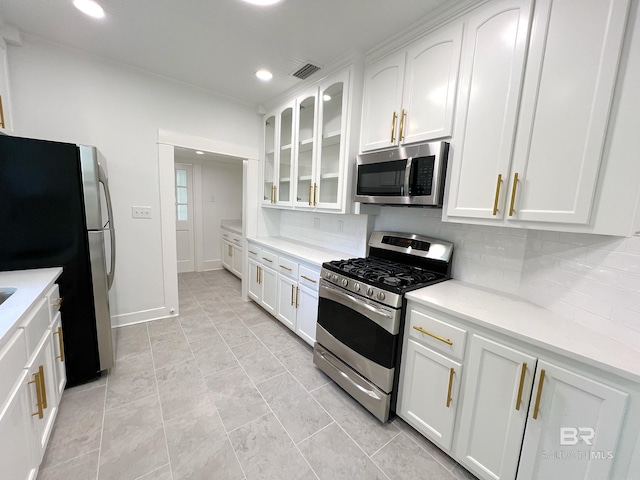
point(409, 96)
point(57, 341)
point(570, 412)
point(494, 412)
point(307, 315)
point(5, 92)
point(566, 97)
point(305, 153)
point(430, 386)
point(236, 261)
point(227, 254)
point(545, 170)
point(231, 251)
point(17, 455)
point(493, 56)
point(263, 280)
point(255, 288)
point(287, 301)
point(278, 156)
point(382, 102)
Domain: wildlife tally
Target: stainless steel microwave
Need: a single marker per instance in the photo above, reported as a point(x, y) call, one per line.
point(412, 175)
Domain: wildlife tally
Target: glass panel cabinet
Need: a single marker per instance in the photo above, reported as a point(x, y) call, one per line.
point(306, 152)
point(269, 158)
point(285, 161)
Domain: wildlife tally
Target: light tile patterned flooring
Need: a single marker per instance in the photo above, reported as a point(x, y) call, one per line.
point(226, 392)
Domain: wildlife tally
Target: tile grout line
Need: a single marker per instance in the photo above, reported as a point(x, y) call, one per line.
point(414, 440)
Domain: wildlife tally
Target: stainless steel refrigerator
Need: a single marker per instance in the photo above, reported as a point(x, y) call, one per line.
point(55, 210)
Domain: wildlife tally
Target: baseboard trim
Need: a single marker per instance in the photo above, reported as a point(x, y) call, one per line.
point(211, 265)
point(141, 316)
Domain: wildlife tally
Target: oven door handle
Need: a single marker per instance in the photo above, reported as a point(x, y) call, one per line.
point(387, 320)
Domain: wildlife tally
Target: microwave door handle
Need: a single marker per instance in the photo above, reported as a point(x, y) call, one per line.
point(407, 178)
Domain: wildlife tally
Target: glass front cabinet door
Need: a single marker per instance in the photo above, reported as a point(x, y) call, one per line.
point(306, 148)
point(330, 170)
point(284, 189)
point(269, 173)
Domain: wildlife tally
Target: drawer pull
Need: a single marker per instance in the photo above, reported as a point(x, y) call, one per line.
point(437, 337)
point(57, 303)
point(292, 294)
point(286, 268)
point(522, 375)
point(268, 260)
point(307, 278)
point(36, 380)
point(297, 296)
point(536, 408)
point(43, 387)
point(60, 343)
point(449, 399)
point(252, 252)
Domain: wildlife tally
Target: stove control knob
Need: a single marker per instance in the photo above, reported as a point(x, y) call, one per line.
point(335, 278)
point(327, 275)
point(356, 287)
point(380, 295)
point(369, 291)
point(345, 282)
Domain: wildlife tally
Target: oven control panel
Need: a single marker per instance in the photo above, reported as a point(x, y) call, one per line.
point(390, 299)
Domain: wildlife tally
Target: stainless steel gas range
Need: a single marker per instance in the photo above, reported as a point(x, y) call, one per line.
point(361, 313)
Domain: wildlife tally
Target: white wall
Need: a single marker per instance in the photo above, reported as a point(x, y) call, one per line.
point(592, 279)
point(66, 95)
point(224, 182)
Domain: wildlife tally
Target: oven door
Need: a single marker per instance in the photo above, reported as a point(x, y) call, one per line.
point(361, 333)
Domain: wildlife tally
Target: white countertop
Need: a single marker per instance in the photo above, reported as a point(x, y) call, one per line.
point(305, 251)
point(234, 226)
point(30, 285)
point(530, 323)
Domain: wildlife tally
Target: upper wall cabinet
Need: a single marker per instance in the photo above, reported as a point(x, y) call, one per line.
point(409, 96)
point(547, 171)
point(492, 68)
point(5, 103)
point(307, 147)
point(278, 156)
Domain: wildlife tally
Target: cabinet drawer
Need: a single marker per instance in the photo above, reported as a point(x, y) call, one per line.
point(287, 267)
point(436, 333)
point(253, 251)
point(53, 296)
point(236, 239)
point(13, 357)
point(309, 278)
point(269, 258)
point(35, 324)
point(226, 235)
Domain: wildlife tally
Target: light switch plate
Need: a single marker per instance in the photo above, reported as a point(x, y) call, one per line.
point(140, 212)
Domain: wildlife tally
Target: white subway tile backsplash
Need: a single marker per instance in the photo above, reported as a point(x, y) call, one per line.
point(613, 259)
point(629, 281)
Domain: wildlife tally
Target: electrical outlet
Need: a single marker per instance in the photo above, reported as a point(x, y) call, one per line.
point(340, 226)
point(140, 212)
point(316, 222)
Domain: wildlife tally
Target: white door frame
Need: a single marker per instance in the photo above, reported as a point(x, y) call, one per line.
point(251, 173)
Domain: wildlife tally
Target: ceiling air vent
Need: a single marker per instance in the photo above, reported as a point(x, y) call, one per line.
point(306, 71)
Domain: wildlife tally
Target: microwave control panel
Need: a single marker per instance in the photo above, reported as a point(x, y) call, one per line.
point(421, 176)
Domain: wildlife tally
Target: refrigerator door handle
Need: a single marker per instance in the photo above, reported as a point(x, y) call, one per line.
point(102, 178)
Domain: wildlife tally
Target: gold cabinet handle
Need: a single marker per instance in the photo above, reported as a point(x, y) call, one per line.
point(230, 251)
point(536, 408)
point(307, 278)
point(267, 259)
point(495, 201)
point(523, 373)
point(315, 194)
point(286, 268)
point(275, 194)
point(297, 296)
point(404, 115)
point(260, 275)
point(437, 337)
point(1, 114)
point(252, 252)
point(257, 275)
point(449, 399)
point(44, 387)
point(310, 192)
point(393, 127)
point(513, 194)
point(36, 380)
point(60, 343)
point(292, 292)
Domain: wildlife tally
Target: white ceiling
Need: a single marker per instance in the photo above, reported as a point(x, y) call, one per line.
point(219, 44)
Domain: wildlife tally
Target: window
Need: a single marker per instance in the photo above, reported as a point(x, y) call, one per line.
point(182, 204)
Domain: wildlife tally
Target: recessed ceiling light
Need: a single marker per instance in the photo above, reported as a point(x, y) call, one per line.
point(326, 97)
point(263, 3)
point(198, 152)
point(264, 75)
point(89, 7)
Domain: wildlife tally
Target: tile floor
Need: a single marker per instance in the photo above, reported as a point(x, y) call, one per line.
point(226, 392)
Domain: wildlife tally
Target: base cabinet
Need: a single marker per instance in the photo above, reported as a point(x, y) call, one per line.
point(430, 389)
point(514, 410)
point(287, 301)
point(263, 287)
point(307, 316)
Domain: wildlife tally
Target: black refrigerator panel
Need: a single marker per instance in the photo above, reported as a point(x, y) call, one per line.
point(43, 225)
